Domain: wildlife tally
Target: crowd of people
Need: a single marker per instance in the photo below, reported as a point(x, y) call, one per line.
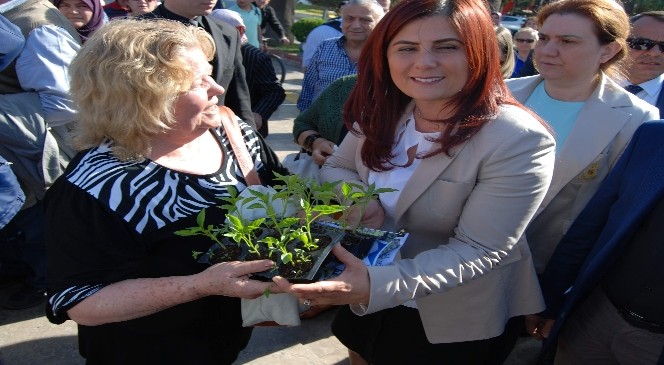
point(526, 168)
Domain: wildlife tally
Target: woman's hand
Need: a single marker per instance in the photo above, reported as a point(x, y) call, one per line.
point(351, 287)
point(231, 279)
point(372, 215)
point(321, 149)
point(135, 298)
point(538, 327)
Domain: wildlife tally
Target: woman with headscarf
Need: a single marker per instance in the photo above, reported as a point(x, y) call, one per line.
point(85, 15)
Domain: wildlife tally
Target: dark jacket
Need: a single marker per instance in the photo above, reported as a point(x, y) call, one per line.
point(227, 64)
point(270, 18)
point(601, 233)
point(266, 90)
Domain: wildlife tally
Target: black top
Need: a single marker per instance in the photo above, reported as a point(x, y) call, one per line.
point(636, 281)
point(109, 220)
point(270, 18)
point(227, 65)
point(266, 90)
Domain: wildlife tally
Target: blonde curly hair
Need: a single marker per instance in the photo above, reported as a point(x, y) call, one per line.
point(126, 78)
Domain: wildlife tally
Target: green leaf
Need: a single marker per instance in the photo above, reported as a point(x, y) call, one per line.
point(345, 189)
point(286, 257)
point(200, 218)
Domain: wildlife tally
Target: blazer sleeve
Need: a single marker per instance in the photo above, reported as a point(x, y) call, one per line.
point(513, 176)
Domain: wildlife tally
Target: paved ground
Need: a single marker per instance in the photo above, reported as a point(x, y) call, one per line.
point(27, 338)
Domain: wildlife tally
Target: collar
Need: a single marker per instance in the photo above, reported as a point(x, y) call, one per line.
point(165, 13)
point(653, 86)
point(11, 4)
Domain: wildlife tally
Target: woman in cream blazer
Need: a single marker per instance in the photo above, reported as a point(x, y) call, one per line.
point(482, 168)
point(606, 118)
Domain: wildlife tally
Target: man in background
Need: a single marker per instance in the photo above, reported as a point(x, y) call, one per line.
point(266, 90)
point(645, 64)
point(227, 69)
point(338, 57)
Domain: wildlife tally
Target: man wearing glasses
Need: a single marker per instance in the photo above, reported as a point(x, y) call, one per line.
point(645, 65)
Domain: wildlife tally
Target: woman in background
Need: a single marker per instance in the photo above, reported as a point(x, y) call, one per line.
point(525, 40)
point(506, 49)
point(582, 45)
point(87, 16)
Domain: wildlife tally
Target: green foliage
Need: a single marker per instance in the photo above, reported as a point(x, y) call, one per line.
point(303, 27)
point(276, 207)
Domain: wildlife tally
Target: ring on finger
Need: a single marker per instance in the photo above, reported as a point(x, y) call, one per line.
point(307, 302)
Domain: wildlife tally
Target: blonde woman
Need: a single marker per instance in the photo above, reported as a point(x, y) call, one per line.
point(148, 113)
point(525, 40)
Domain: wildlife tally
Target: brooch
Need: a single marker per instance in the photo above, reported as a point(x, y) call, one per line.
point(591, 172)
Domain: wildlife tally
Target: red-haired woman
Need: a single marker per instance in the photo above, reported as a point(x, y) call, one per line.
point(431, 117)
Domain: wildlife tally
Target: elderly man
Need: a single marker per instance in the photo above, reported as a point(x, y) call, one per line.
point(645, 68)
point(227, 65)
point(338, 57)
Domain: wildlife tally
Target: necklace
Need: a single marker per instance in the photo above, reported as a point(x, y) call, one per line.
point(436, 123)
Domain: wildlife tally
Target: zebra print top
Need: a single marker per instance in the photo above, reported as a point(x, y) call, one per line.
point(150, 201)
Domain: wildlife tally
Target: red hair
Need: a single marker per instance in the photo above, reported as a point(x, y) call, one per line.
point(376, 104)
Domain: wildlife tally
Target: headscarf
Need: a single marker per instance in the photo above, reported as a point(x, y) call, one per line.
point(231, 17)
point(98, 18)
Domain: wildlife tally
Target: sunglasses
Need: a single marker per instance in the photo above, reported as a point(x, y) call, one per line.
point(644, 44)
point(521, 40)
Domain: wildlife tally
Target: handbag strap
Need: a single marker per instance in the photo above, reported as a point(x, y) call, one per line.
point(232, 129)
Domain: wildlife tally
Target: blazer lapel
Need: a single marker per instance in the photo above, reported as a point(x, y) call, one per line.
point(424, 175)
point(598, 123)
point(660, 102)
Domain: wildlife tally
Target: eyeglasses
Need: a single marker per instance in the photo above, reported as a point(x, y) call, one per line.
point(521, 40)
point(644, 44)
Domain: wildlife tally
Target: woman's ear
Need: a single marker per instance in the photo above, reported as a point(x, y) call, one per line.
point(608, 51)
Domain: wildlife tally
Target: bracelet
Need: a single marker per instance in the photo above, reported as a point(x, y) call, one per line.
point(309, 141)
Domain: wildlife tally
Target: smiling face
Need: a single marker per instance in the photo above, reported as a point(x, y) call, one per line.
point(77, 12)
point(358, 21)
point(644, 65)
point(568, 51)
point(196, 110)
point(428, 62)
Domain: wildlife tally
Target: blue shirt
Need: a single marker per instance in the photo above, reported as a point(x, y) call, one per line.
point(329, 63)
point(252, 21)
point(561, 115)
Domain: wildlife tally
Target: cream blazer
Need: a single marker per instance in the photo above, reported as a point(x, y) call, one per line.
point(465, 261)
point(600, 134)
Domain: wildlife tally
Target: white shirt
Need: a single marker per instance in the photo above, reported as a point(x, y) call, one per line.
point(651, 89)
point(314, 38)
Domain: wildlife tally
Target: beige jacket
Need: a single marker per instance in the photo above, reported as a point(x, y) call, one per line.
point(465, 261)
point(600, 134)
